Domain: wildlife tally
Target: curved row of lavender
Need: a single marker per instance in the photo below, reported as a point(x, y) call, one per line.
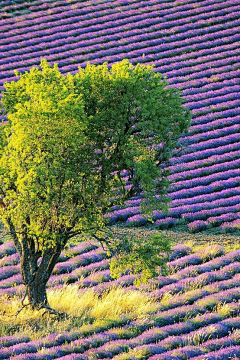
point(200, 318)
point(195, 44)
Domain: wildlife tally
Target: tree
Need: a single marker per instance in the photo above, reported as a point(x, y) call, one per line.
point(63, 151)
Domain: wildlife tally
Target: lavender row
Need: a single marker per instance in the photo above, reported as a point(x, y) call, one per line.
point(230, 224)
point(11, 280)
point(212, 265)
point(224, 194)
point(188, 157)
point(197, 258)
point(79, 260)
point(184, 347)
point(227, 221)
point(7, 271)
point(219, 10)
point(212, 93)
point(219, 107)
point(205, 214)
point(208, 296)
point(165, 25)
point(164, 338)
point(201, 68)
point(71, 43)
point(100, 54)
point(207, 118)
point(216, 124)
point(220, 49)
point(212, 134)
point(216, 179)
point(74, 275)
point(74, 16)
point(198, 210)
point(137, 57)
point(7, 249)
point(218, 220)
point(204, 171)
point(213, 143)
point(209, 277)
point(9, 260)
point(99, 342)
point(115, 345)
point(208, 161)
point(132, 53)
point(218, 186)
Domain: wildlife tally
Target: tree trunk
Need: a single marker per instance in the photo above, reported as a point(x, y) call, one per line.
point(35, 276)
point(36, 286)
point(36, 294)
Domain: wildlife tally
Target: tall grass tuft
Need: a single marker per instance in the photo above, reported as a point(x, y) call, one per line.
point(82, 307)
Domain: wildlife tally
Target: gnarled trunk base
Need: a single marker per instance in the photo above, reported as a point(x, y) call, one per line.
point(37, 295)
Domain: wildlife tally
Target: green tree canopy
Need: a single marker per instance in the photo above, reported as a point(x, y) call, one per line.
point(63, 151)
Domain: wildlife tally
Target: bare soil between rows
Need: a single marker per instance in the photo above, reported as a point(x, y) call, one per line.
point(179, 236)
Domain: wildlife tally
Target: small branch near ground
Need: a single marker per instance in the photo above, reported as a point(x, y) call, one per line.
point(18, 312)
point(50, 311)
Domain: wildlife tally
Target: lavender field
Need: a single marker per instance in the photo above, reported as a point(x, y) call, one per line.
point(193, 313)
point(195, 44)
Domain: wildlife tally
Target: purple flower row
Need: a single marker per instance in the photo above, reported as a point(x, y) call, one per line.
point(203, 171)
point(9, 260)
point(11, 280)
point(208, 118)
point(232, 352)
point(163, 338)
point(208, 188)
point(69, 46)
point(75, 274)
point(202, 279)
point(228, 193)
point(218, 220)
point(7, 271)
point(208, 296)
point(175, 60)
point(213, 143)
point(212, 134)
point(216, 178)
point(7, 249)
point(116, 16)
point(79, 260)
point(109, 55)
point(173, 23)
point(196, 258)
point(73, 17)
point(212, 265)
point(206, 205)
point(73, 44)
point(73, 68)
point(210, 95)
point(206, 213)
point(219, 107)
point(215, 124)
point(231, 225)
point(226, 345)
point(191, 210)
point(204, 154)
point(214, 159)
point(165, 223)
point(203, 77)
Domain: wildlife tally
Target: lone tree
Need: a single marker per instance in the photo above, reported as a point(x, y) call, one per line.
point(63, 150)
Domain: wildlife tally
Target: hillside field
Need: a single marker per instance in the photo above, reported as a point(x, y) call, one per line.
point(195, 44)
point(194, 311)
